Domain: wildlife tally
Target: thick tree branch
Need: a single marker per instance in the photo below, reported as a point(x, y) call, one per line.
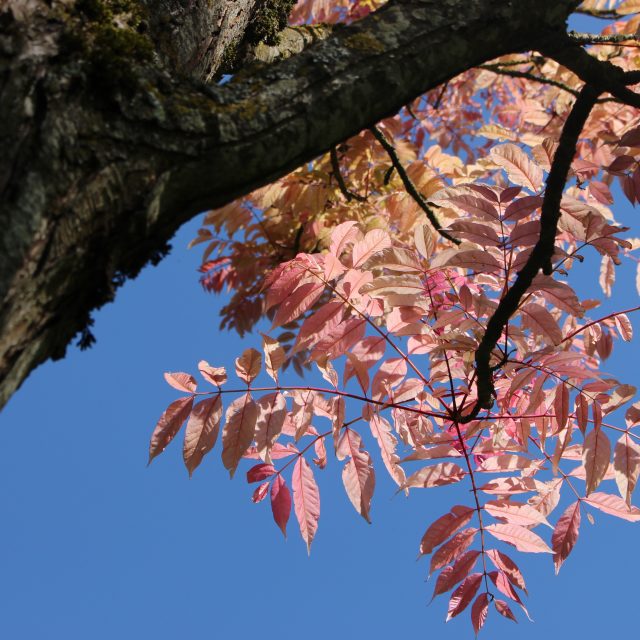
point(599, 73)
point(541, 256)
point(110, 145)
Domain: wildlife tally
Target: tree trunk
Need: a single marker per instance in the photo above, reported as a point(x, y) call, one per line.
point(114, 132)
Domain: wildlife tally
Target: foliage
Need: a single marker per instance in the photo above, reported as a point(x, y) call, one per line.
point(422, 268)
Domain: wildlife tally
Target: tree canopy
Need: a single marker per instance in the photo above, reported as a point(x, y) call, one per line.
point(472, 155)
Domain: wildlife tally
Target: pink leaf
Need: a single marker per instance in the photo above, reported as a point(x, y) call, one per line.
point(450, 576)
point(476, 260)
point(444, 527)
point(202, 431)
point(280, 503)
point(169, 425)
point(463, 595)
point(215, 375)
point(519, 167)
point(614, 506)
point(272, 411)
point(565, 534)
point(435, 476)
point(260, 493)
point(522, 207)
point(259, 472)
point(596, 454)
point(382, 432)
point(479, 612)
point(238, 431)
point(274, 356)
point(626, 465)
point(600, 191)
point(248, 365)
point(341, 236)
point(522, 539)
point(503, 562)
point(515, 513)
point(358, 476)
point(374, 241)
point(301, 300)
point(181, 381)
point(503, 609)
point(541, 322)
point(302, 412)
point(306, 499)
point(452, 549)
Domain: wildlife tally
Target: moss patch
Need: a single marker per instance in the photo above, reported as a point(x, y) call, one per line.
point(110, 36)
point(364, 42)
point(271, 17)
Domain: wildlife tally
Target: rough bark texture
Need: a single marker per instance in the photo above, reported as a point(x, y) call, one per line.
point(112, 137)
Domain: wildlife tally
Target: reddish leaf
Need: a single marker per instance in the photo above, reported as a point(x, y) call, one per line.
point(301, 300)
point(274, 356)
point(541, 322)
point(181, 381)
point(450, 576)
point(452, 549)
point(306, 499)
point(435, 476)
point(503, 562)
point(504, 585)
point(382, 432)
point(596, 454)
point(280, 503)
point(479, 612)
point(238, 431)
point(260, 472)
point(358, 476)
point(248, 365)
point(565, 534)
point(444, 527)
point(169, 425)
point(215, 375)
point(260, 492)
point(272, 411)
point(503, 609)
point(202, 431)
point(522, 207)
point(463, 595)
point(626, 465)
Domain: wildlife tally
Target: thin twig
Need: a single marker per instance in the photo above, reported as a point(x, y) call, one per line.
point(335, 165)
point(409, 186)
point(495, 68)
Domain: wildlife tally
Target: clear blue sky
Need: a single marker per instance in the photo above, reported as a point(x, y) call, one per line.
point(95, 545)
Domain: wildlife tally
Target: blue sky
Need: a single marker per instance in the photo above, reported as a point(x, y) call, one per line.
point(94, 544)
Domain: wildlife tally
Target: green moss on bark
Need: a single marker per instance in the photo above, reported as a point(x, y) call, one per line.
point(271, 17)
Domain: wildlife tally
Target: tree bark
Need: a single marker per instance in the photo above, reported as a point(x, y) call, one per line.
point(114, 132)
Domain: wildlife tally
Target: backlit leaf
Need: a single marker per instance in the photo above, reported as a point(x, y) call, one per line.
point(202, 431)
point(565, 534)
point(522, 539)
point(306, 500)
point(280, 503)
point(169, 425)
